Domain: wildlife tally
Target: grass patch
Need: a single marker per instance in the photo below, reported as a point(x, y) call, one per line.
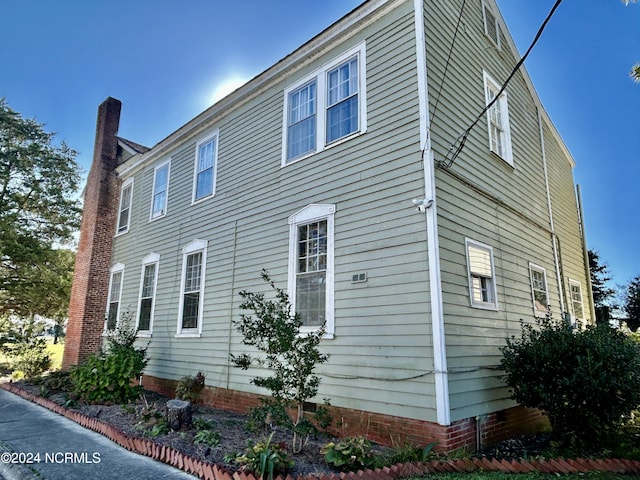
point(522, 476)
point(55, 351)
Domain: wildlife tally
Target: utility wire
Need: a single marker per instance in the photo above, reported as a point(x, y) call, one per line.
point(446, 67)
point(462, 139)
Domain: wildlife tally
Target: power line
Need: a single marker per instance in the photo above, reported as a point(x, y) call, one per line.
point(462, 139)
point(446, 67)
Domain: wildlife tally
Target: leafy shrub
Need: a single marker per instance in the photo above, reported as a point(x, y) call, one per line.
point(32, 357)
point(586, 381)
point(264, 458)
point(275, 331)
point(190, 388)
point(409, 453)
point(350, 453)
point(107, 377)
point(210, 438)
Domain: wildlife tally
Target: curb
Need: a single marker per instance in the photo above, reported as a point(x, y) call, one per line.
point(210, 471)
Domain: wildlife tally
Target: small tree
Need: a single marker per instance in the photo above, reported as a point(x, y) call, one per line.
point(602, 293)
point(586, 381)
point(631, 305)
point(274, 330)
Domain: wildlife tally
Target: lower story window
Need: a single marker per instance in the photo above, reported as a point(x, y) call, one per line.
point(147, 293)
point(192, 289)
point(115, 291)
point(575, 291)
point(482, 285)
point(311, 266)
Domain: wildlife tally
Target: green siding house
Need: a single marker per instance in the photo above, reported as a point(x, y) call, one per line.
point(338, 170)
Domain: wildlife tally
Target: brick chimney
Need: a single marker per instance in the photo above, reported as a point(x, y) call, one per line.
point(93, 258)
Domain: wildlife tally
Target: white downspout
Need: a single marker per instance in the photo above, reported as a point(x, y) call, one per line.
point(441, 377)
point(556, 260)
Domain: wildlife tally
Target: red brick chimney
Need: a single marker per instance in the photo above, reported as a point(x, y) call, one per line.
point(93, 258)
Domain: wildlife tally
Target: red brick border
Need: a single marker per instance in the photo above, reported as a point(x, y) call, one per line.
point(210, 471)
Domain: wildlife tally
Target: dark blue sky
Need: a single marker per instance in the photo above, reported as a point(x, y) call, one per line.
point(166, 60)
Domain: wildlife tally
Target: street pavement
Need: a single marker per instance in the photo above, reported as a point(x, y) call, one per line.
point(38, 444)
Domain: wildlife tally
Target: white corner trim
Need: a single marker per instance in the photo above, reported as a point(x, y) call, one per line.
point(441, 376)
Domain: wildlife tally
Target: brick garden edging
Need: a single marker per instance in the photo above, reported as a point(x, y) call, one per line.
point(210, 471)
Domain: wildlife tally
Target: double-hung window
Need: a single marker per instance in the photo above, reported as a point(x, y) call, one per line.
point(538, 276)
point(194, 261)
point(311, 266)
point(114, 294)
point(146, 303)
point(160, 190)
point(575, 293)
point(498, 120)
point(204, 178)
point(327, 106)
point(482, 281)
point(124, 209)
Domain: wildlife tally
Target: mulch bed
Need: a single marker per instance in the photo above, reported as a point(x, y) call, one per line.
point(178, 448)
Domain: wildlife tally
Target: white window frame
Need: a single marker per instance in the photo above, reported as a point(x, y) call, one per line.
point(309, 214)
point(538, 312)
point(151, 259)
point(575, 283)
point(492, 304)
point(153, 214)
point(212, 137)
point(116, 269)
point(196, 246)
point(502, 105)
point(127, 184)
point(319, 76)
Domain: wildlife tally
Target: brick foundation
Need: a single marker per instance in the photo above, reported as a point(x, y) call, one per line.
point(387, 429)
point(93, 258)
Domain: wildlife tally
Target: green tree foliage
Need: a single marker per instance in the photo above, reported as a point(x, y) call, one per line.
point(38, 210)
point(274, 330)
point(602, 294)
point(586, 381)
point(22, 343)
point(631, 305)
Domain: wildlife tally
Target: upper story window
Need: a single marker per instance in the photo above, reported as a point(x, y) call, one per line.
point(160, 190)
point(204, 177)
point(538, 276)
point(146, 303)
point(124, 209)
point(482, 281)
point(575, 293)
point(194, 261)
point(491, 25)
point(115, 292)
point(311, 266)
point(498, 120)
point(325, 107)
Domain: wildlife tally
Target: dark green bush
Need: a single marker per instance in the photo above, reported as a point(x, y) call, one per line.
point(190, 388)
point(107, 377)
point(32, 357)
point(350, 453)
point(586, 381)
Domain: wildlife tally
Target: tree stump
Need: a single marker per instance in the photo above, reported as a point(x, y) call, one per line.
point(178, 414)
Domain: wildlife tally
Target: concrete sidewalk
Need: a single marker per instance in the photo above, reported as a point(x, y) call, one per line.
point(38, 444)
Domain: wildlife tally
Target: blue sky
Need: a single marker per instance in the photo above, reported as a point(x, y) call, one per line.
point(167, 60)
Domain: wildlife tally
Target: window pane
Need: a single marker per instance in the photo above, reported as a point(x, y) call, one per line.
point(342, 82)
point(145, 314)
point(204, 183)
point(160, 191)
point(301, 131)
point(112, 316)
point(148, 281)
point(190, 310)
point(116, 282)
point(310, 298)
point(342, 119)
point(193, 272)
